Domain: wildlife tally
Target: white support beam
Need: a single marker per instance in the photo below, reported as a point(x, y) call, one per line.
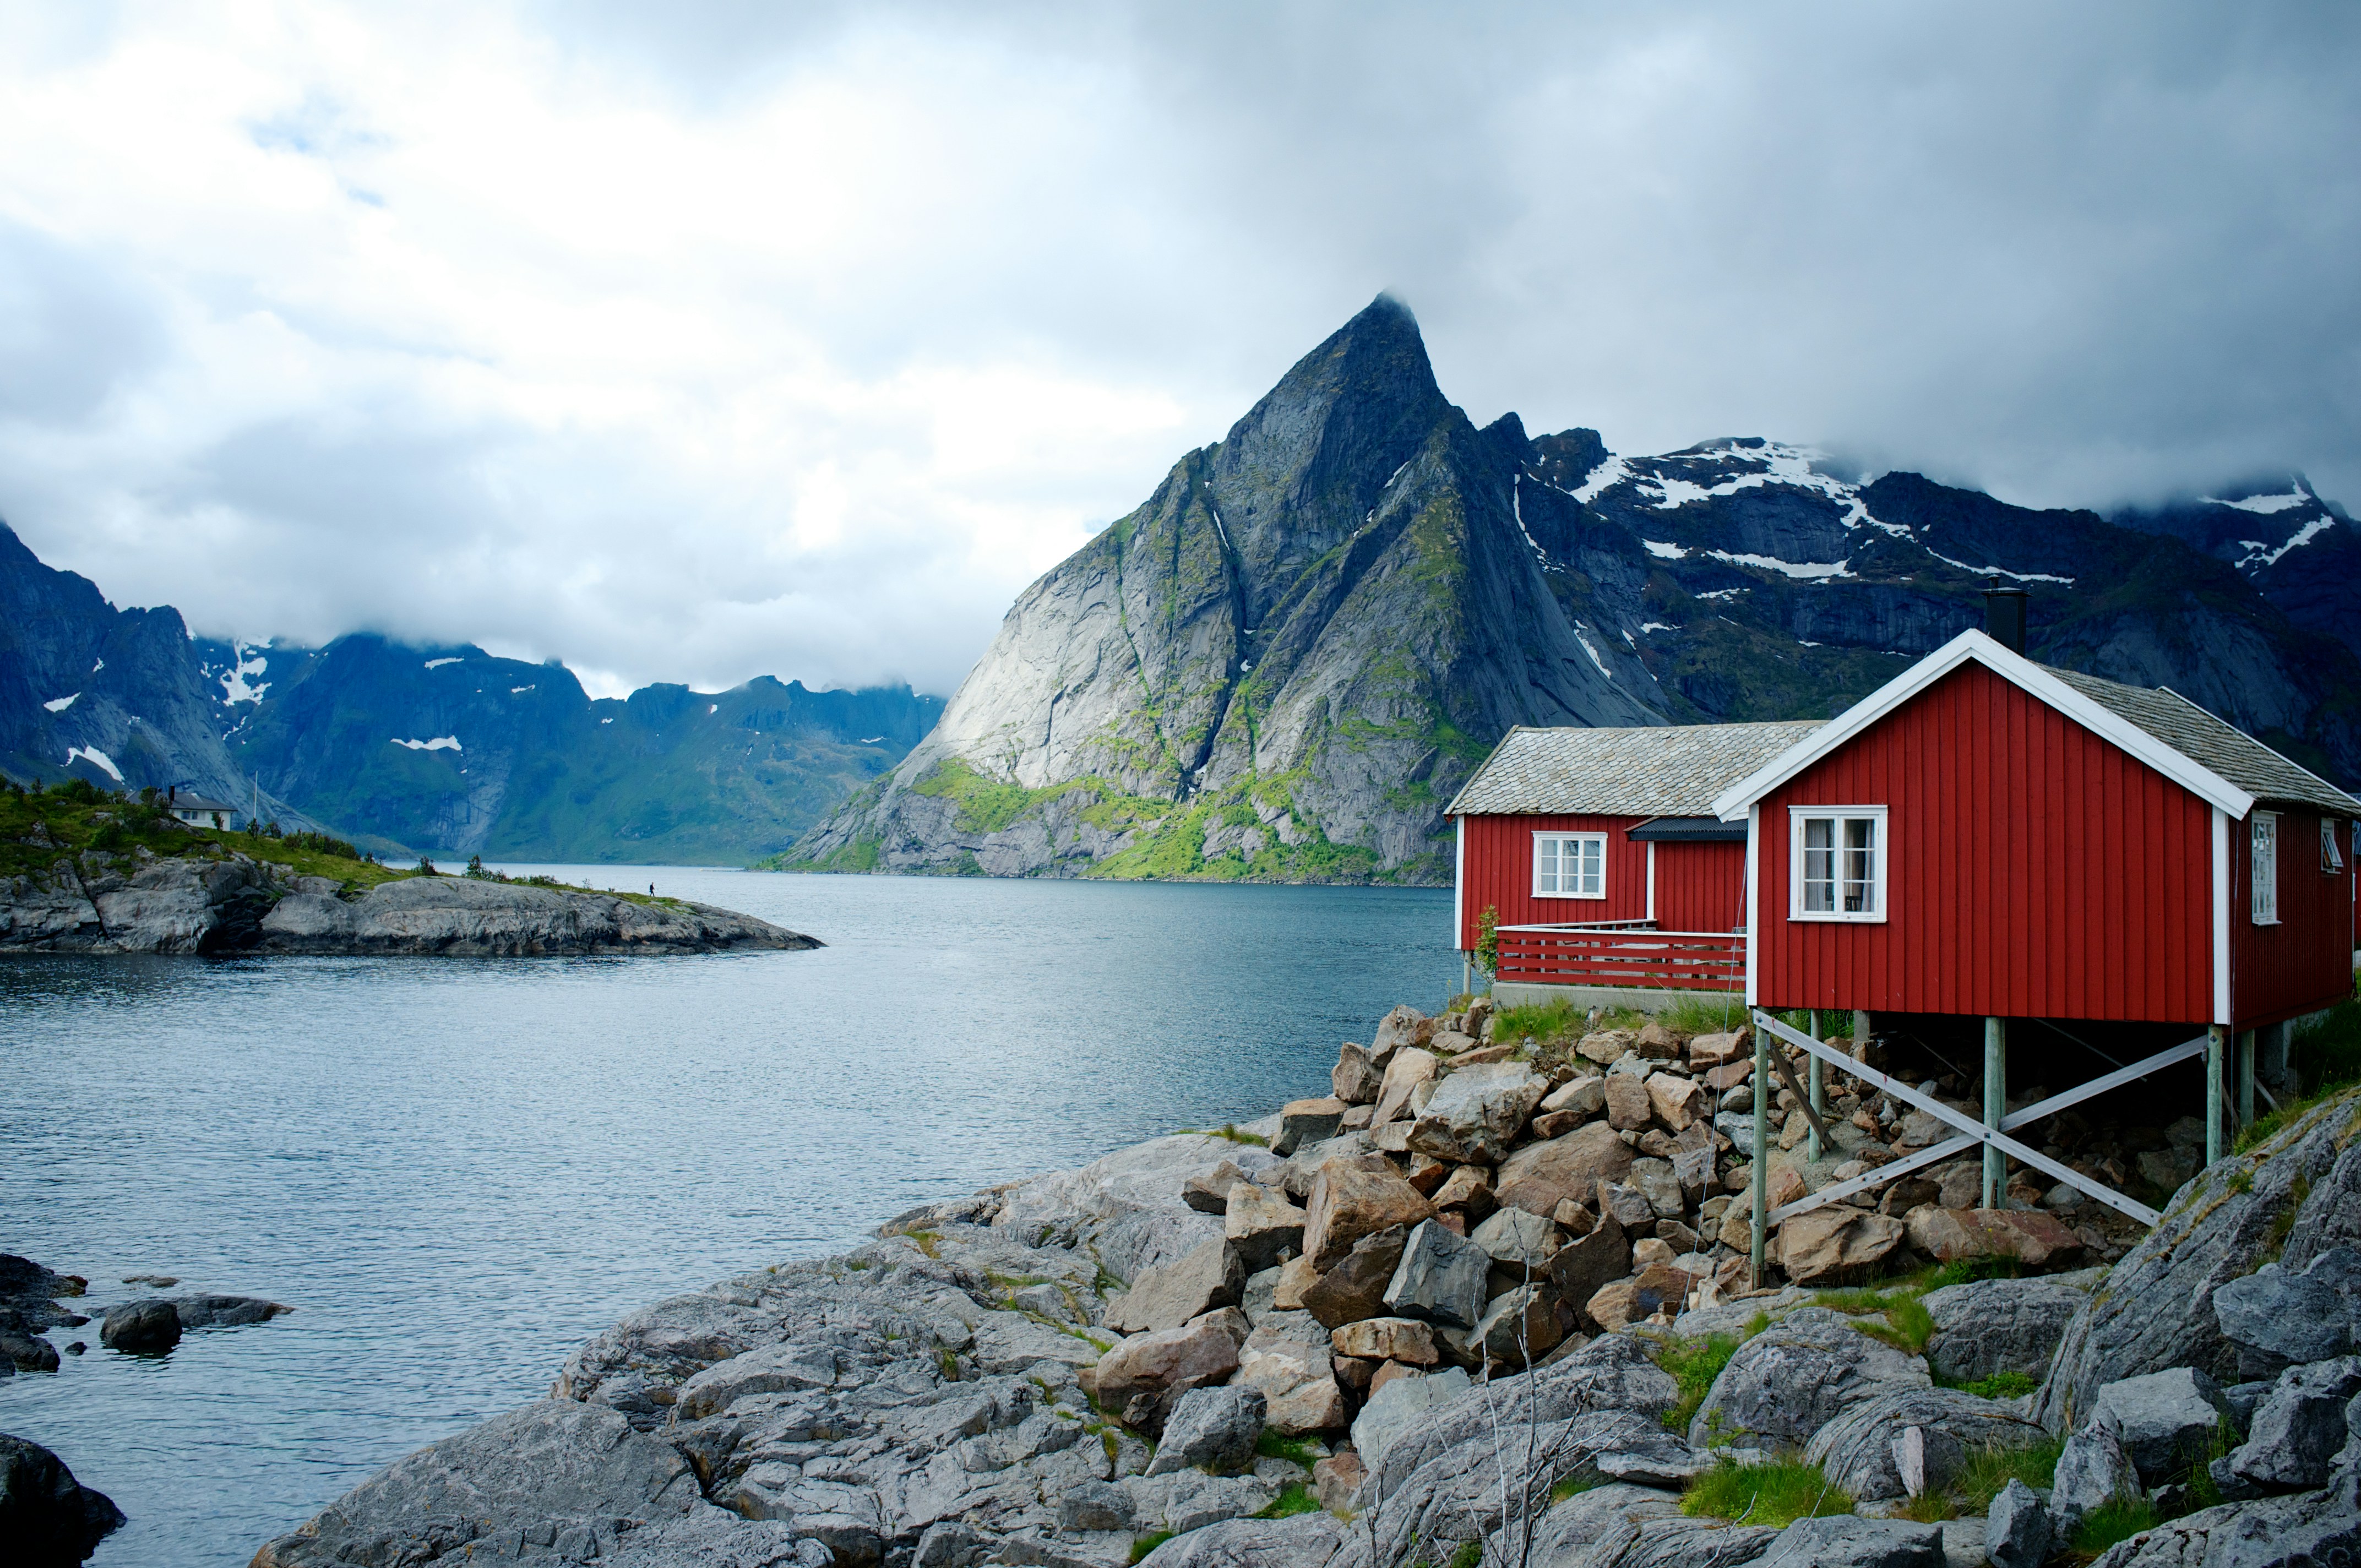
point(1765, 1024)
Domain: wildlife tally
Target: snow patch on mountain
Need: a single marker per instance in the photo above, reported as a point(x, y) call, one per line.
point(440, 744)
point(2261, 555)
point(438, 663)
point(58, 705)
point(236, 687)
point(2265, 505)
point(96, 758)
point(1801, 570)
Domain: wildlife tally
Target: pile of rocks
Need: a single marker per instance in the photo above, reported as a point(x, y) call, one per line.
point(1365, 1302)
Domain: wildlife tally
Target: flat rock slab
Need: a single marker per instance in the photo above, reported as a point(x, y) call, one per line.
point(1857, 1448)
point(1989, 1326)
point(1846, 1541)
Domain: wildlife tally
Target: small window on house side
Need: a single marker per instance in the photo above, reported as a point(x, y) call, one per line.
point(1838, 863)
point(2330, 860)
point(1570, 865)
point(2265, 840)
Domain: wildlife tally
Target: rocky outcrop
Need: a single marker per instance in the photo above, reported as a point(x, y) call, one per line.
point(48, 1518)
point(175, 904)
point(2286, 1200)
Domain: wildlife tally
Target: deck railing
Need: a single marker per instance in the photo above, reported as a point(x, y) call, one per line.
point(1623, 953)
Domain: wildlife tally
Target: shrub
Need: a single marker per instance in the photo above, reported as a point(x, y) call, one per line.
point(2001, 1385)
point(1777, 1494)
point(1488, 941)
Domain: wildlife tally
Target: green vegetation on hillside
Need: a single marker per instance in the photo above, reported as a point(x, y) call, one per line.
point(90, 831)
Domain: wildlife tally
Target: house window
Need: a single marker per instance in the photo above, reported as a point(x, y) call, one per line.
point(1836, 862)
point(2266, 831)
point(2330, 860)
point(1570, 865)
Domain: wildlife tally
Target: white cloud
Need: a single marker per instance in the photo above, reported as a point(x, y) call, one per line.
point(736, 339)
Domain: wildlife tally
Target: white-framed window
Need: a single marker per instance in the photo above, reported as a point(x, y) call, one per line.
point(2330, 861)
point(1836, 862)
point(2265, 837)
point(1569, 865)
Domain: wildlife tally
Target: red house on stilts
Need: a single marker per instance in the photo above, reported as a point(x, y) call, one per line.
point(1984, 837)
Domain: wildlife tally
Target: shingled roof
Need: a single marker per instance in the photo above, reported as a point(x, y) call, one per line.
point(2210, 743)
point(1665, 771)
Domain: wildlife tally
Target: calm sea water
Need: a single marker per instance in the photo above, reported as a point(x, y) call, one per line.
point(456, 1170)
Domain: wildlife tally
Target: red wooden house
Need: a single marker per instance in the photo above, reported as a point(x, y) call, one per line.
point(1988, 835)
point(1596, 855)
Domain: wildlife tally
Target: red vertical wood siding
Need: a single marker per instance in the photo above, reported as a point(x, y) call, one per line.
point(1700, 887)
point(2034, 869)
point(2304, 962)
point(1499, 872)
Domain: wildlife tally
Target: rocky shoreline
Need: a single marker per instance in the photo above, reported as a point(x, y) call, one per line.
point(1420, 1319)
point(143, 903)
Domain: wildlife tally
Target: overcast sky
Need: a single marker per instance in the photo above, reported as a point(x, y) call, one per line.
point(698, 342)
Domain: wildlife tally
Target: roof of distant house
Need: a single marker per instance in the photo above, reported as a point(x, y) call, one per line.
point(1662, 771)
point(200, 803)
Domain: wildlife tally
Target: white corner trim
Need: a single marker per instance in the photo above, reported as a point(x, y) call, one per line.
point(2221, 916)
point(1651, 879)
point(1459, 884)
point(1754, 882)
point(2019, 672)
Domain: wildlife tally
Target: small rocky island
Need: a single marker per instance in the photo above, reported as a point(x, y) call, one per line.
point(89, 873)
point(1470, 1308)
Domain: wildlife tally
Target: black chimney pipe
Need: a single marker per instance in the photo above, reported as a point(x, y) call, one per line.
point(2004, 616)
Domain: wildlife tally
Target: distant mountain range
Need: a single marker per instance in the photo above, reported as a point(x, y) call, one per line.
point(444, 750)
point(1284, 663)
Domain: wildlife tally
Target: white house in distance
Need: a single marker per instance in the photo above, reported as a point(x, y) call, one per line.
point(197, 811)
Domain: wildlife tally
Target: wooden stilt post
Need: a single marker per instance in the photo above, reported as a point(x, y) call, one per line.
point(1860, 1031)
point(1761, 1181)
point(2247, 1046)
point(1995, 1109)
point(2217, 1047)
point(1812, 1139)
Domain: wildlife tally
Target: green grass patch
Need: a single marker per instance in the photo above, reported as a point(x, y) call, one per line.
point(1929, 1507)
point(2327, 1062)
point(1693, 1365)
point(1968, 1270)
point(1275, 1445)
point(1776, 1494)
point(1143, 1545)
point(1989, 1470)
point(1574, 1485)
point(1907, 1327)
point(1293, 1499)
point(2115, 1521)
point(1469, 1554)
point(1999, 1386)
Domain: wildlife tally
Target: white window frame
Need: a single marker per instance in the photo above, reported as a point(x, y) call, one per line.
point(2263, 873)
point(2332, 859)
point(1881, 863)
point(1560, 839)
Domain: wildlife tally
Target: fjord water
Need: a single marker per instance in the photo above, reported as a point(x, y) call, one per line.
point(455, 1170)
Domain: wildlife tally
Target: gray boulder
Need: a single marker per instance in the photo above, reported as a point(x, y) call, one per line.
point(556, 1476)
point(1856, 1449)
point(1094, 1505)
point(46, 1516)
point(141, 1328)
point(1261, 1225)
point(2002, 1325)
point(2092, 1470)
point(1477, 1112)
point(1845, 1541)
point(224, 1312)
point(1519, 1239)
point(1399, 1407)
point(2155, 1308)
point(2279, 1319)
point(2016, 1529)
point(1211, 1429)
point(1306, 1540)
point(2165, 1420)
point(1796, 1376)
point(1183, 1500)
point(1169, 1295)
point(2296, 1432)
point(2305, 1530)
point(1441, 1278)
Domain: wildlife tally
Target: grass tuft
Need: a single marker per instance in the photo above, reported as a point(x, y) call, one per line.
point(1469, 1554)
point(1693, 1365)
point(2115, 1521)
point(1929, 1507)
point(1907, 1327)
point(1142, 1545)
point(1999, 1386)
point(1293, 1499)
point(1276, 1444)
point(1989, 1470)
point(1573, 1486)
point(1777, 1494)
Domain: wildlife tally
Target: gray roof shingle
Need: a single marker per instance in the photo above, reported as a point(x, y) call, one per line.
point(2210, 743)
point(1665, 770)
